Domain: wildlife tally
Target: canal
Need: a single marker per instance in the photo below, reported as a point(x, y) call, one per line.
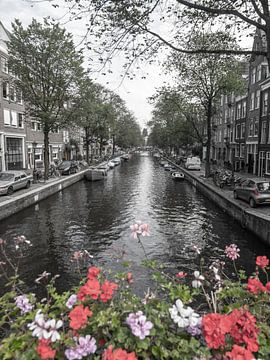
point(97, 217)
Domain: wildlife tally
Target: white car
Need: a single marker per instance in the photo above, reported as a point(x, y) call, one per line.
point(13, 180)
point(193, 163)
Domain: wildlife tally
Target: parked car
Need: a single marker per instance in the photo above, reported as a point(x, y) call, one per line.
point(14, 180)
point(68, 167)
point(193, 163)
point(254, 191)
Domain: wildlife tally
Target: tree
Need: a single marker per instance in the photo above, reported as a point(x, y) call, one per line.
point(205, 78)
point(48, 70)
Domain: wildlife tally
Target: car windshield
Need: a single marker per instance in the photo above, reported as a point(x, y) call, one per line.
point(263, 186)
point(6, 176)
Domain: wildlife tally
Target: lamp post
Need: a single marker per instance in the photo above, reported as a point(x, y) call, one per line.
point(34, 145)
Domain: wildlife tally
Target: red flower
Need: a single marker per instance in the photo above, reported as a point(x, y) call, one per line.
point(262, 261)
point(101, 342)
point(44, 350)
point(130, 278)
point(107, 290)
point(93, 272)
point(91, 288)
point(240, 353)
point(78, 316)
point(117, 354)
point(267, 286)
point(244, 329)
point(255, 286)
point(181, 275)
point(215, 326)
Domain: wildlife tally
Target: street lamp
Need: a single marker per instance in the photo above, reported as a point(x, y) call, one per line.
point(34, 145)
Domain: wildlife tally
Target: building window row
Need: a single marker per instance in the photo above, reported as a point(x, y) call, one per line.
point(13, 118)
point(10, 93)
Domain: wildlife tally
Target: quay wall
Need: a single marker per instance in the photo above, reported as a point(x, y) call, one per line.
point(249, 218)
point(19, 202)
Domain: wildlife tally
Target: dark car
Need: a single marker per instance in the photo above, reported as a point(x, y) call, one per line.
point(68, 167)
point(254, 191)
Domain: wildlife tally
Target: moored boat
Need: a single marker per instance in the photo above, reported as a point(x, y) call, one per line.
point(177, 175)
point(95, 174)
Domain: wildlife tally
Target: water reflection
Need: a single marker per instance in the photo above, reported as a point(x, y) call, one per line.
point(97, 216)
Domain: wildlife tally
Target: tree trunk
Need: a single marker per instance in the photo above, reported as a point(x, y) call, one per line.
point(209, 137)
point(87, 141)
point(46, 154)
point(113, 148)
point(100, 146)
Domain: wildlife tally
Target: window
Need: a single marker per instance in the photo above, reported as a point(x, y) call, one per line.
point(38, 126)
point(251, 127)
point(256, 127)
point(264, 72)
point(237, 151)
point(13, 118)
point(19, 96)
point(33, 125)
point(252, 101)
point(5, 90)
point(242, 150)
point(264, 103)
point(4, 65)
point(258, 75)
point(257, 99)
point(267, 163)
point(11, 93)
point(238, 111)
point(244, 109)
point(20, 120)
point(238, 131)
point(243, 130)
point(263, 134)
point(7, 117)
point(253, 76)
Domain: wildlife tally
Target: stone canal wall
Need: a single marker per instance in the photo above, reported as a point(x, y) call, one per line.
point(249, 218)
point(19, 201)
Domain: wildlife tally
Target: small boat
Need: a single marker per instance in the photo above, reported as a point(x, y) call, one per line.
point(111, 164)
point(95, 174)
point(178, 176)
point(163, 162)
point(116, 161)
point(168, 167)
point(125, 157)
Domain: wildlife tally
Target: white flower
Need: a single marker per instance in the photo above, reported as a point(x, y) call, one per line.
point(45, 329)
point(198, 280)
point(54, 334)
point(184, 317)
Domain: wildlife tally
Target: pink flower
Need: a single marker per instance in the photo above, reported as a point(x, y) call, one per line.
point(181, 275)
point(139, 229)
point(232, 251)
point(262, 261)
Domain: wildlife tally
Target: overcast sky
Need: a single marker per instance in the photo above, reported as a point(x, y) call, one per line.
point(135, 92)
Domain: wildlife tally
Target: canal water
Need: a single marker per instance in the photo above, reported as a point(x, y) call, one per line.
point(97, 217)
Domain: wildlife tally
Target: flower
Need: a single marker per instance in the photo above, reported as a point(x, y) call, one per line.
point(54, 326)
point(129, 278)
point(78, 316)
point(117, 354)
point(42, 276)
point(194, 330)
point(196, 249)
point(240, 353)
point(139, 229)
point(84, 347)
point(40, 327)
point(215, 326)
point(232, 251)
point(140, 327)
point(23, 304)
point(21, 240)
point(198, 280)
point(262, 261)
point(44, 350)
point(91, 288)
point(107, 290)
point(93, 272)
point(255, 286)
point(184, 316)
point(71, 301)
point(181, 275)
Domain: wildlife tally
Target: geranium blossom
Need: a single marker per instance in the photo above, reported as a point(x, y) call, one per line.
point(255, 286)
point(44, 350)
point(139, 229)
point(107, 290)
point(197, 282)
point(181, 275)
point(45, 329)
point(23, 303)
point(184, 316)
point(232, 251)
point(78, 316)
point(129, 278)
point(84, 347)
point(215, 327)
point(91, 288)
point(262, 261)
point(117, 354)
point(240, 353)
point(71, 301)
point(139, 325)
point(93, 272)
